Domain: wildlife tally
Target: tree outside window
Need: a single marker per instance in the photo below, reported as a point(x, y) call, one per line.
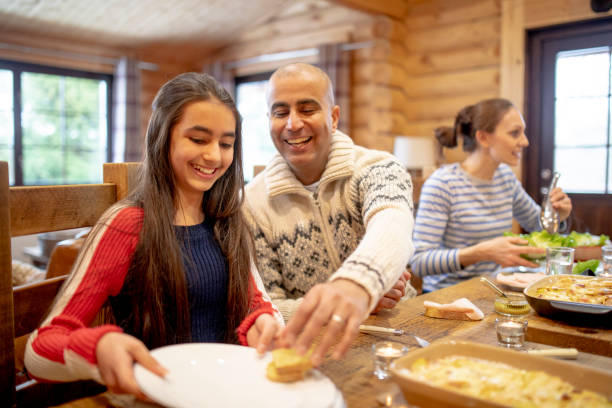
point(65, 124)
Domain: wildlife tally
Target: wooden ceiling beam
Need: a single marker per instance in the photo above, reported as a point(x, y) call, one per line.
point(393, 8)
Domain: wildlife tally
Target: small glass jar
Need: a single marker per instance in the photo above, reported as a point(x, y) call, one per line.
point(513, 305)
point(606, 258)
point(384, 354)
point(511, 331)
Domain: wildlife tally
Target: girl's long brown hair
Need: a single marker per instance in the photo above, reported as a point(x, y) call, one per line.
point(155, 286)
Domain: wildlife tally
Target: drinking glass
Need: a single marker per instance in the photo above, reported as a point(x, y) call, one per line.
point(385, 352)
point(510, 331)
point(606, 259)
point(559, 261)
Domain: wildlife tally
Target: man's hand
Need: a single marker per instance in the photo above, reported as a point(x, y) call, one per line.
point(339, 306)
point(262, 333)
point(116, 354)
point(393, 296)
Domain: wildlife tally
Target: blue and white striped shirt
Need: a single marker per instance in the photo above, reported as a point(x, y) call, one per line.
point(457, 210)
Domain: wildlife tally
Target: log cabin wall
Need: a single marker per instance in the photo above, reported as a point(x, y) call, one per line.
point(425, 60)
point(441, 56)
point(451, 58)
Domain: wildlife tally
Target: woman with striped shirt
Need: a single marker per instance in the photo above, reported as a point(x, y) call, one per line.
point(465, 207)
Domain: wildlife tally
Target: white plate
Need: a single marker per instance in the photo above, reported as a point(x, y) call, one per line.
point(225, 375)
point(516, 269)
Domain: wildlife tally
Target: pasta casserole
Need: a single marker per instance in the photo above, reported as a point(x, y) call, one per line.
point(502, 383)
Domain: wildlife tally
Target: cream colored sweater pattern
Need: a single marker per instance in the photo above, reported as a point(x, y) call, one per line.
point(357, 225)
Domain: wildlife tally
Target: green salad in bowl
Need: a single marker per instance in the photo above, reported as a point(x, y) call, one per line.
point(586, 245)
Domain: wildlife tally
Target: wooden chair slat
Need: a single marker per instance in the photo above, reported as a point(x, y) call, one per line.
point(27, 300)
point(31, 210)
point(36, 209)
point(7, 347)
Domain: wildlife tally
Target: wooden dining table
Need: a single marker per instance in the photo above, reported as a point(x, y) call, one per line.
point(353, 374)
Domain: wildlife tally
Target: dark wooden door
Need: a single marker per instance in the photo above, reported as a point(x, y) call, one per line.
point(592, 210)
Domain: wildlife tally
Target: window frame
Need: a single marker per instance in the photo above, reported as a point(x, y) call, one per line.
point(20, 67)
point(245, 79)
point(260, 76)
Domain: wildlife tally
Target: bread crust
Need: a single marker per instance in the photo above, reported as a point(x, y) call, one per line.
point(446, 314)
point(274, 375)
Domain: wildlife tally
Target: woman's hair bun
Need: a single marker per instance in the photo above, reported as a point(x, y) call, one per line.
point(446, 136)
point(464, 122)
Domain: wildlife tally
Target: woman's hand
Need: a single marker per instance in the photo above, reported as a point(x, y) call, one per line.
point(116, 354)
point(263, 333)
point(561, 202)
point(505, 251)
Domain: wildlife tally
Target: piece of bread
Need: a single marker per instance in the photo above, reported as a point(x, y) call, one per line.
point(460, 309)
point(273, 374)
point(445, 314)
point(287, 365)
point(288, 361)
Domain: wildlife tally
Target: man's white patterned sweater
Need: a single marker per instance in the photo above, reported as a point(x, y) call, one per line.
point(357, 225)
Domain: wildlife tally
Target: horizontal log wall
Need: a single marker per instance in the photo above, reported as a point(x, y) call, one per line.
point(450, 58)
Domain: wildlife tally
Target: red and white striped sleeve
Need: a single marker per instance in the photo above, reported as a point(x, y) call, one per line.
point(259, 304)
point(63, 348)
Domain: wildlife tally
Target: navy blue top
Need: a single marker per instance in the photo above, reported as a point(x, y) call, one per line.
point(207, 281)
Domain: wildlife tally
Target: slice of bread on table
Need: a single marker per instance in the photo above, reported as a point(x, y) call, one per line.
point(460, 309)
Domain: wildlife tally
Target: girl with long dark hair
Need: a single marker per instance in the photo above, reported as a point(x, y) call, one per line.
point(170, 264)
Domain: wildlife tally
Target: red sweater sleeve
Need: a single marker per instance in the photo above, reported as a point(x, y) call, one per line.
point(63, 348)
point(259, 304)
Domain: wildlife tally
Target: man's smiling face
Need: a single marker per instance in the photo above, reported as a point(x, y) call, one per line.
point(302, 120)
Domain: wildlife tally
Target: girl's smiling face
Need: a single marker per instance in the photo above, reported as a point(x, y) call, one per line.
point(201, 147)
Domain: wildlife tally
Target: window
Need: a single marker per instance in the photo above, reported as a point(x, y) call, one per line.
point(258, 148)
point(58, 124)
point(582, 120)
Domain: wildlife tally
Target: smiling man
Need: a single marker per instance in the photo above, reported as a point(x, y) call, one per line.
point(332, 221)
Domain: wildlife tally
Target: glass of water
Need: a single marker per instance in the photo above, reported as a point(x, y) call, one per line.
point(385, 352)
point(559, 261)
point(606, 260)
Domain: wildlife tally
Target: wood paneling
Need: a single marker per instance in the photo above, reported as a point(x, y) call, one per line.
point(541, 13)
point(453, 83)
point(460, 58)
point(309, 21)
point(470, 32)
point(392, 8)
point(340, 33)
point(449, 58)
point(438, 13)
point(512, 65)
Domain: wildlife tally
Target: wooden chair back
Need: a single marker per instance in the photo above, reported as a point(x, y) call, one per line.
point(31, 210)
